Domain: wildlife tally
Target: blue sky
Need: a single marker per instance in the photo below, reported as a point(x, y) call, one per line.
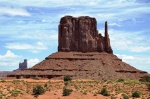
point(29, 28)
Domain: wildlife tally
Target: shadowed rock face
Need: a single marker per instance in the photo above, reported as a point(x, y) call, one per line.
point(81, 34)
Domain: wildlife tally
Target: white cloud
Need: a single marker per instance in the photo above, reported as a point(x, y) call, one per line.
point(113, 10)
point(47, 3)
point(18, 46)
point(125, 57)
point(140, 62)
point(139, 48)
point(104, 9)
point(48, 35)
point(127, 41)
point(9, 60)
point(35, 48)
point(53, 3)
point(119, 40)
point(9, 55)
point(14, 11)
point(32, 62)
point(114, 24)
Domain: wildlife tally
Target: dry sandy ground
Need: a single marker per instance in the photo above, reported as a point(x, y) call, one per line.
point(82, 89)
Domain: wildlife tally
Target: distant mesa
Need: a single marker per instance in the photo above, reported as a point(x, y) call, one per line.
point(83, 53)
point(23, 65)
point(81, 35)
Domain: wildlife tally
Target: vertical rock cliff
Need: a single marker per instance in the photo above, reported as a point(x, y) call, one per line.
point(81, 35)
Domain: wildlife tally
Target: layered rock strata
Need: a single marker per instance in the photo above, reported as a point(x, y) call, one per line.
point(91, 65)
point(78, 35)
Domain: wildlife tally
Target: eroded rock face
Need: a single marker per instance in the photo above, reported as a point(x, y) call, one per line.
point(81, 34)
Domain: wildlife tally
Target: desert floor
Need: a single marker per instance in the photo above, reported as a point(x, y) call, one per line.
point(82, 89)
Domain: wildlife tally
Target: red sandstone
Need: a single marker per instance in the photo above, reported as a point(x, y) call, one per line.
point(83, 54)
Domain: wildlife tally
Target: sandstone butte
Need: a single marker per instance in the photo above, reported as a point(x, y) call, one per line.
point(83, 53)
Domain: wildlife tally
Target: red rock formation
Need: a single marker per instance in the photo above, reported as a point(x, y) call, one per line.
point(81, 34)
point(107, 40)
point(78, 35)
point(90, 65)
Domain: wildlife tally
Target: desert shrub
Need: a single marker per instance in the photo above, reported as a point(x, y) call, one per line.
point(104, 92)
point(27, 91)
point(148, 86)
point(131, 82)
point(145, 78)
point(75, 86)
point(113, 97)
point(120, 80)
point(46, 87)
point(15, 93)
point(66, 83)
point(1, 95)
point(104, 80)
point(95, 94)
point(85, 92)
point(66, 92)
point(15, 81)
point(38, 90)
point(67, 78)
point(2, 80)
point(136, 94)
point(35, 78)
point(124, 96)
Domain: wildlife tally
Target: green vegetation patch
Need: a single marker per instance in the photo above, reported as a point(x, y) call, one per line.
point(38, 90)
point(148, 86)
point(67, 78)
point(2, 80)
point(131, 82)
point(120, 80)
point(66, 92)
point(104, 92)
point(136, 94)
point(15, 92)
point(125, 96)
point(145, 78)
